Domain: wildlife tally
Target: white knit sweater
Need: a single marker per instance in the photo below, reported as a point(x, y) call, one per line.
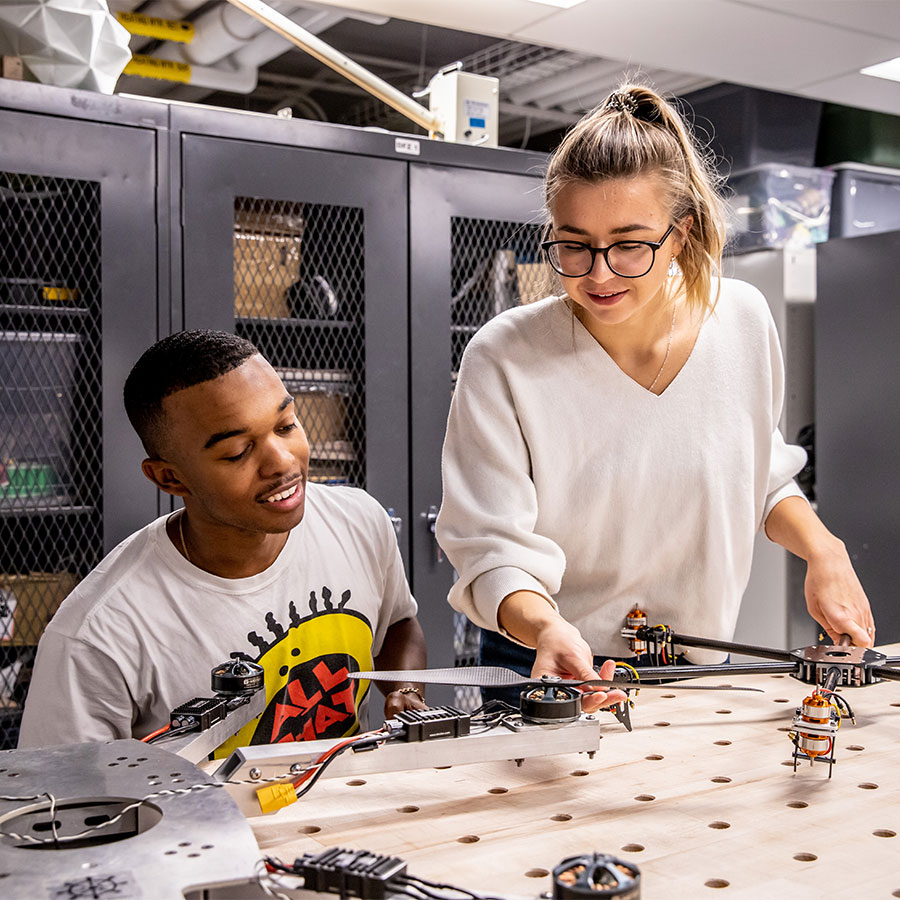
point(564, 476)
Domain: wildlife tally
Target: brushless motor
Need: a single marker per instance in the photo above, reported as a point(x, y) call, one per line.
point(596, 875)
point(637, 618)
point(816, 710)
point(550, 704)
point(240, 675)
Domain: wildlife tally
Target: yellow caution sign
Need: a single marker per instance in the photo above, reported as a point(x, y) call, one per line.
point(153, 67)
point(160, 29)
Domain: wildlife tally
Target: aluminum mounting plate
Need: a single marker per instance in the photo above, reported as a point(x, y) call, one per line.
point(163, 849)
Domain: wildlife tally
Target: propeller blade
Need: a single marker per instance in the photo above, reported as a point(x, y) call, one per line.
point(498, 676)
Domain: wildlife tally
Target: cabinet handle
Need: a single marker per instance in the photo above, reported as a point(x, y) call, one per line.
point(396, 521)
point(430, 518)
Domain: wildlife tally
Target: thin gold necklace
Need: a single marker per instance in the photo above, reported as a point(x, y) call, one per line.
point(184, 548)
point(665, 358)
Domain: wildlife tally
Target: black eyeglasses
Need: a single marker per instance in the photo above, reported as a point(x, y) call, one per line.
point(629, 259)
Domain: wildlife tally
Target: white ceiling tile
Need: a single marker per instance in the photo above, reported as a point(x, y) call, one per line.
point(781, 45)
point(876, 17)
point(863, 91)
point(731, 41)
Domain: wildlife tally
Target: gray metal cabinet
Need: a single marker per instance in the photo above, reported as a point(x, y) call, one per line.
point(359, 262)
point(78, 300)
point(474, 236)
point(303, 251)
point(858, 411)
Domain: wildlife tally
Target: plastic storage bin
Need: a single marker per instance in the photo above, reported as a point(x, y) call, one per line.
point(865, 200)
point(37, 370)
point(779, 206)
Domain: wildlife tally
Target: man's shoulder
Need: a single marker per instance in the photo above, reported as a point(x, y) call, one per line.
point(343, 499)
point(108, 583)
point(349, 515)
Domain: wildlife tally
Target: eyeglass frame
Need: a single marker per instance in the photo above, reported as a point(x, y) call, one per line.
point(604, 252)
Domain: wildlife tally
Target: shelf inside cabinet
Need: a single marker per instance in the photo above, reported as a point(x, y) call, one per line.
point(263, 323)
point(328, 451)
point(43, 506)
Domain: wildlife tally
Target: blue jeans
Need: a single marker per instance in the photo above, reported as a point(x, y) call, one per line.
point(497, 650)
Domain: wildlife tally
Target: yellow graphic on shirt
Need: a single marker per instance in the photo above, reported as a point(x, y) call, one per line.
point(309, 695)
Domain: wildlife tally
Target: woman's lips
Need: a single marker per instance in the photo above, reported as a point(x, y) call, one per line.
point(605, 299)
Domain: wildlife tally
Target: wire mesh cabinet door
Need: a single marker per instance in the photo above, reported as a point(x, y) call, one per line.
point(304, 253)
point(78, 304)
point(474, 239)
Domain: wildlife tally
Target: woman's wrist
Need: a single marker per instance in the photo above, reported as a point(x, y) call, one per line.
point(525, 616)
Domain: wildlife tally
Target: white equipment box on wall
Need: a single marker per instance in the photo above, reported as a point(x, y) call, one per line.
point(467, 106)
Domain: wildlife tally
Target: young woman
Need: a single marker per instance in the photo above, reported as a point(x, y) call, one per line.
point(618, 444)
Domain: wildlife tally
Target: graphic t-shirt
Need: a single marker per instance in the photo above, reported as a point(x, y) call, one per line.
point(140, 635)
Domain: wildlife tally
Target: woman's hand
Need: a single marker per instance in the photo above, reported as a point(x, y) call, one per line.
point(562, 651)
point(835, 598)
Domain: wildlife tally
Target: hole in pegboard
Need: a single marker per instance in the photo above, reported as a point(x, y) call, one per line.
point(797, 804)
point(719, 826)
point(561, 817)
point(716, 883)
point(632, 848)
point(468, 839)
point(536, 873)
point(805, 857)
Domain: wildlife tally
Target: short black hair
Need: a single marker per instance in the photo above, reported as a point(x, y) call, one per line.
point(178, 361)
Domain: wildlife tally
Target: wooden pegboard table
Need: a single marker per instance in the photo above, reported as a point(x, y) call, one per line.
point(700, 796)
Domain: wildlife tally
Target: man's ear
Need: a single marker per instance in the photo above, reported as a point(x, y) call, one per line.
point(165, 477)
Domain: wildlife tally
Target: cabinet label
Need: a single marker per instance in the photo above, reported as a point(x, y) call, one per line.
point(408, 146)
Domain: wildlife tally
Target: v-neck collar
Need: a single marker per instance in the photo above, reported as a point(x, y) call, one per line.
point(586, 341)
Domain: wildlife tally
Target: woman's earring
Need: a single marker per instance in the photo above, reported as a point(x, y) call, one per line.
point(674, 269)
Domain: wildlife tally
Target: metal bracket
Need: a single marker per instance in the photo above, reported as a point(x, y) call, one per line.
point(269, 760)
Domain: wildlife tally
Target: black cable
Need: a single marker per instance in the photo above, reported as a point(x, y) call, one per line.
point(279, 865)
point(174, 732)
point(375, 739)
point(423, 884)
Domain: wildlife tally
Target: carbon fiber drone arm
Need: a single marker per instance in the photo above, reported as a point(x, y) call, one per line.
point(497, 676)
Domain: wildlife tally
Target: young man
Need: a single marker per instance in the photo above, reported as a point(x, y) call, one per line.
point(305, 579)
